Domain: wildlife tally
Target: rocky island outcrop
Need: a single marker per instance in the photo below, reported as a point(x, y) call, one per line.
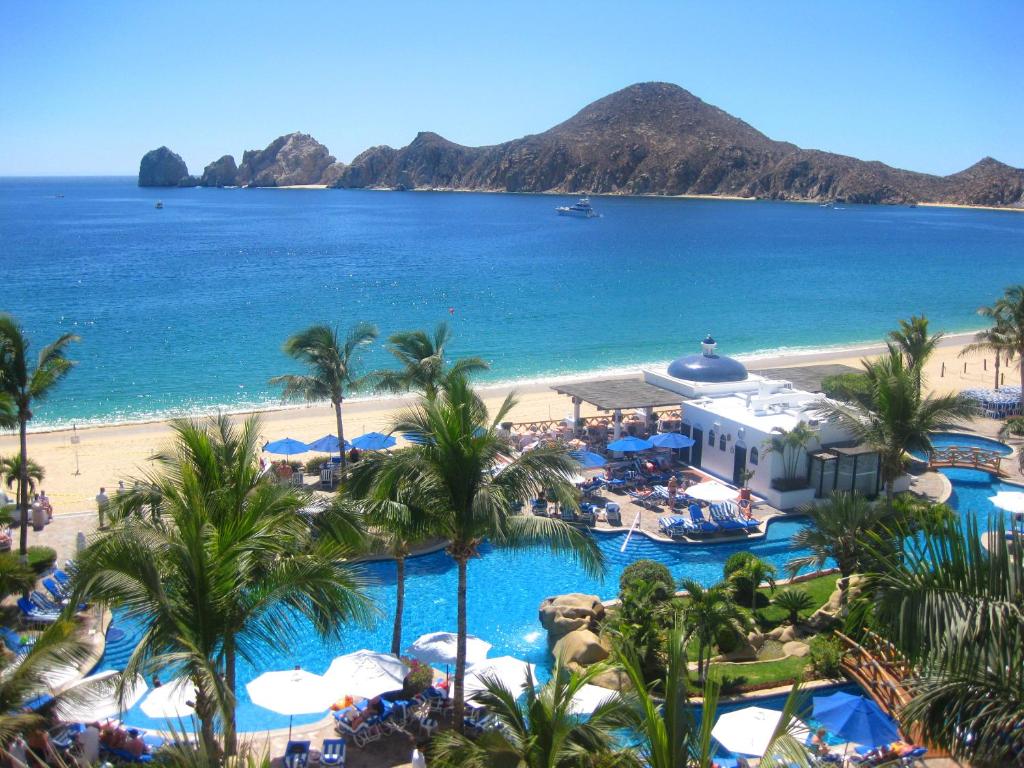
point(647, 139)
point(163, 168)
point(220, 173)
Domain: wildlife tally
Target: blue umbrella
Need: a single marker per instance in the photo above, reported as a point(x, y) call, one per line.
point(327, 444)
point(373, 441)
point(630, 444)
point(589, 459)
point(417, 439)
point(855, 718)
point(671, 440)
point(287, 446)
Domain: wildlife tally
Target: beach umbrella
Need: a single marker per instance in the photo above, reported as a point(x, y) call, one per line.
point(95, 698)
point(748, 731)
point(590, 697)
point(366, 673)
point(174, 700)
point(589, 459)
point(630, 443)
point(373, 441)
point(711, 491)
point(327, 444)
point(1011, 501)
point(671, 440)
point(439, 648)
point(291, 692)
point(855, 718)
point(286, 446)
point(417, 438)
point(508, 670)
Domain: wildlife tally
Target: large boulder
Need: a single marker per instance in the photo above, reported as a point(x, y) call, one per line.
point(294, 159)
point(580, 648)
point(163, 168)
point(563, 614)
point(796, 648)
point(220, 173)
point(834, 609)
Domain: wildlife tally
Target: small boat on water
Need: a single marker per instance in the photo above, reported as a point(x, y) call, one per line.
point(159, 204)
point(582, 209)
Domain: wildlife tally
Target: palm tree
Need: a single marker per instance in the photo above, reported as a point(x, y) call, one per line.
point(745, 572)
point(24, 385)
point(839, 531)
point(790, 445)
point(1007, 315)
point(542, 731)
point(424, 368)
point(10, 470)
point(221, 570)
point(915, 344)
point(707, 612)
point(897, 418)
point(793, 600)
point(331, 362)
point(465, 481)
point(663, 716)
point(16, 577)
point(953, 602)
point(995, 340)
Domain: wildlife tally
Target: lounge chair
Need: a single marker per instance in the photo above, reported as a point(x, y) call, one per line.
point(566, 513)
point(613, 514)
point(540, 507)
point(333, 752)
point(54, 589)
point(14, 642)
point(63, 579)
point(675, 526)
point(700, 524)
point(723, 519)
point(587, 514)
point(296, 754)
point(32, 613)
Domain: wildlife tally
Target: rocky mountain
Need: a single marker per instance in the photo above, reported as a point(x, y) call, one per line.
point(220, 173)
point(296, 158)
point(163, 168)
point(649, 138)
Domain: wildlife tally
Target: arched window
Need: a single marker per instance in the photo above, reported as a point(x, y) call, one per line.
point(711, 438)
point(721, 443)
point(753, 456)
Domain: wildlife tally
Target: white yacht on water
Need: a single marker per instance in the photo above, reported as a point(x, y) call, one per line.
point(581, 210)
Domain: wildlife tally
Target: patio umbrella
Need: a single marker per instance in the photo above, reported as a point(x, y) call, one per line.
point(373, 441)
point(1011, 501)
point(365, 673)
point(711, 491)
point(630, 443)
point(95, 698)
point(508, 670)
point(291, 692)
point(589, 459)
point(748, 731)
point(855, 718)
point(590, 697)
point(286, 446)
point(671, 440)
point(327, 444)
point(171, 701)
point(439, 648)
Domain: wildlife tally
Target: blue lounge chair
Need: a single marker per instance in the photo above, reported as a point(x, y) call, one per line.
point(724, 521)
point(675, 526)
point(14, 642)
point(43, 603)
point(31, 612)
point(588, 516)
point(613, 514)
point(333, 752)
point(54, 589)
point(296, 754)
point(63, 579)
point(700, 524)
point(566, 513)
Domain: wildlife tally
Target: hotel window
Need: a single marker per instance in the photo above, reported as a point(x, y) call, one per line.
point(721, 443)
point(753, 456)
point(711, 438)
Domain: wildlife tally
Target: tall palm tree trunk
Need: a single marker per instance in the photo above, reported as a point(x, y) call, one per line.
point(396, 633)
point(230, 729)
point(23, 489)
point(998, 355)
point(206, 712)
point(341, 432)
point(460, 648)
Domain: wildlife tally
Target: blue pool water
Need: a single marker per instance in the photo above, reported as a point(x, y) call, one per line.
point(947, 439)
point(505, 591)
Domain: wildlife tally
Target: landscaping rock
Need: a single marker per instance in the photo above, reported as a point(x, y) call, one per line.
point(796, 648)
point(580, 649)
point(613, 679)
point(563, 614)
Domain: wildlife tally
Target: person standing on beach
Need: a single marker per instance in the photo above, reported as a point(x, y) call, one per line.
point(101, 504)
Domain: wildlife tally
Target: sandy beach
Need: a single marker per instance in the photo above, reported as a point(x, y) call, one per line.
point(106, 454)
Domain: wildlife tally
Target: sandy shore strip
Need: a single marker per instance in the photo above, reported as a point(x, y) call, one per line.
point(106, 454)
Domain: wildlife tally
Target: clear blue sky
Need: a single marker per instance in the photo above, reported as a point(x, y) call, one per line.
point(87, 88)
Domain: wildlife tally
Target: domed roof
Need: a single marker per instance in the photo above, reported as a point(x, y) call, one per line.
point(708, 367)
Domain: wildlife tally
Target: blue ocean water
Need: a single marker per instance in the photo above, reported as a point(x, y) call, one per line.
point(186, 307)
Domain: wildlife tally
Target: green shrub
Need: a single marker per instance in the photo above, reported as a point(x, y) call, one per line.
point(825, 655)
point(728, 640)
point(651, 572)
point(737, 562)
point(41, 559)
point(313, 465)
point(848, 387)
point(793, 600)
point(15, 577)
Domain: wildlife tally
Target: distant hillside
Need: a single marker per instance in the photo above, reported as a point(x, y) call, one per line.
point(649, 138)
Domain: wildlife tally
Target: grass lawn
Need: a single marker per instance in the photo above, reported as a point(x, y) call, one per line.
point(820, 589)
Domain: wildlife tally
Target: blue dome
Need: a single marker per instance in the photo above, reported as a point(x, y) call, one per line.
point(707, 368)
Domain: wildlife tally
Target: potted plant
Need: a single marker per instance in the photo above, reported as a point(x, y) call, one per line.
point(746, 475)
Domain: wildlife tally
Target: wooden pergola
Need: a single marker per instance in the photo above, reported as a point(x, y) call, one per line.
point(617, 395)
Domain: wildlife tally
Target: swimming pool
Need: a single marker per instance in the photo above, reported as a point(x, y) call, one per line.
point(504, 593)
point(947, 439)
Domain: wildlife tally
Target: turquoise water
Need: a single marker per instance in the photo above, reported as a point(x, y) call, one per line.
point(186, 307)
point(947, 439)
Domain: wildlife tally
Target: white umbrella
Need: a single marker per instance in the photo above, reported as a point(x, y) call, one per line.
point(291, 692)
point(712, 491)
point(1011, 501)
point(171, 701)
point(365, 673)
point(748, 731)
point(590, 697)
point(508, 670)
point(439, 648)
point(95, 698)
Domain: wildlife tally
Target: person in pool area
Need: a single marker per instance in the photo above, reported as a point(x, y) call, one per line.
point(134, 744)
point(819, 744)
